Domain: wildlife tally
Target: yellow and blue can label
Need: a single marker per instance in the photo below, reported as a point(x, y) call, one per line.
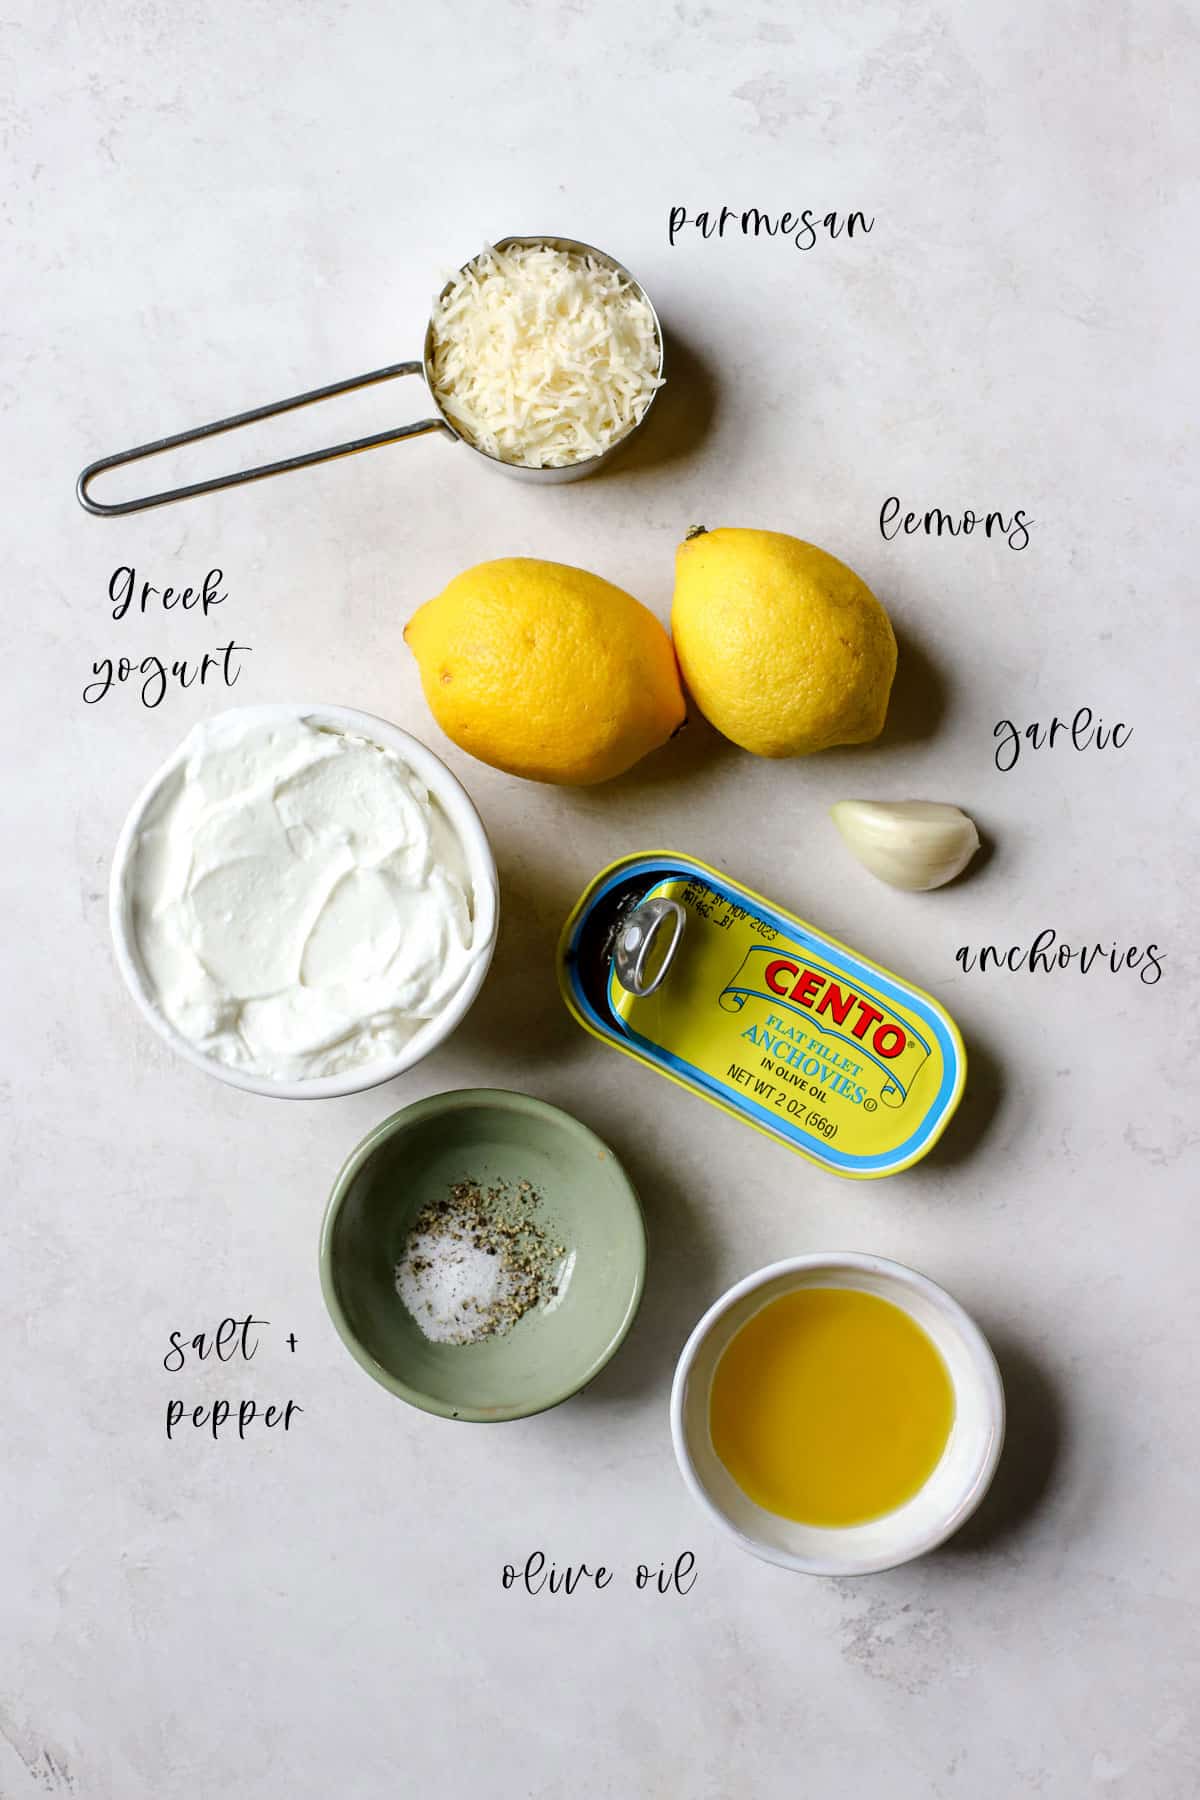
point(769, 1018)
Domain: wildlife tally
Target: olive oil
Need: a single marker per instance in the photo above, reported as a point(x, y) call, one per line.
point(830, 1406)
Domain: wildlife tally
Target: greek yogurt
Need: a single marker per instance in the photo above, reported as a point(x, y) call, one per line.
point(300, 903)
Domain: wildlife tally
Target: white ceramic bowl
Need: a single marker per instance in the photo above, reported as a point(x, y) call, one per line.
point(952, 1492)
point(453, 799)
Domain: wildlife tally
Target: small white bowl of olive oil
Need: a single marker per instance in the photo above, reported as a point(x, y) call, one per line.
point(838, 1414)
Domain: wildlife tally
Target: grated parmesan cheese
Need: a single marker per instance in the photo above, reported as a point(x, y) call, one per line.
point(543, 357)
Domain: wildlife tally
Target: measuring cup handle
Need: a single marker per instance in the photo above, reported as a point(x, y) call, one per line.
point(113, 509)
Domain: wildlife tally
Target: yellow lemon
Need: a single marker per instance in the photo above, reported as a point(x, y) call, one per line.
point(546, 671)
point(782, 647)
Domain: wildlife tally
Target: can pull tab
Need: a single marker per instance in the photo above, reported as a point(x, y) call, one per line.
point(646, 945)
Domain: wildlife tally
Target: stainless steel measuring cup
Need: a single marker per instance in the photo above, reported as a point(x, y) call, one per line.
point(569, 472)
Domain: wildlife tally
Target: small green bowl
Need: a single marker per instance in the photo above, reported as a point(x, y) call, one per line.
point(588, 1202)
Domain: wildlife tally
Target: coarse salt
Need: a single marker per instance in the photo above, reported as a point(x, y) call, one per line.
point(451, 1288)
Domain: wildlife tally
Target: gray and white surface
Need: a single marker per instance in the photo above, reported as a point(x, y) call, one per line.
point(215, 205)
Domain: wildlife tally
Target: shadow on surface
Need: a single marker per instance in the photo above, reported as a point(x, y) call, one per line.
point(680, 415)
point(1033, 1444)
point(919, 697)
point(978, 1107)
point(680, 1283)
point(519, 1007)
point(981, 858)
point(693, 754)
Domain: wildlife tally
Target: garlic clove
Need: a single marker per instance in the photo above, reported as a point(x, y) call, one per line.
point(913, 844)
